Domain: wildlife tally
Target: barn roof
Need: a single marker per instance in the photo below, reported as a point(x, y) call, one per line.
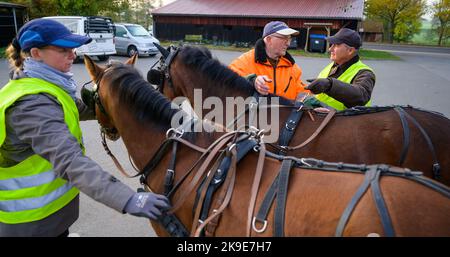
point(312, 9)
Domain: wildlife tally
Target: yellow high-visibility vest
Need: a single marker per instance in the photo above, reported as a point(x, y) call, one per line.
point(30, 190)
point(346, 77)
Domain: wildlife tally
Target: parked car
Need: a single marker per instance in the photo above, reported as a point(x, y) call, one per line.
point(100, 29)
point(133, 38)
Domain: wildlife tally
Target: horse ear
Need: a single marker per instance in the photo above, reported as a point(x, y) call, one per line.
point(164, 52)
point(93, 69)
point(132, 60)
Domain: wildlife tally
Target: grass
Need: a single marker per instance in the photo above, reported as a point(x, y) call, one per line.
point(365, 54)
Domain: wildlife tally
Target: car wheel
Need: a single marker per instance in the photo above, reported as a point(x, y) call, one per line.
point(132, 51)
point(103, 58)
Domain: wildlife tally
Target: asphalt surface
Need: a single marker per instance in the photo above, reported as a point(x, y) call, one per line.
point(420, 79)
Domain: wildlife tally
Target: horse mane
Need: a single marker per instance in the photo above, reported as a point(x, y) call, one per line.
point(200, 60)
point(146, 103)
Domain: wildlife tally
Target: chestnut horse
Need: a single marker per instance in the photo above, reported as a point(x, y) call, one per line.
point(363, 135)
point(319, 201)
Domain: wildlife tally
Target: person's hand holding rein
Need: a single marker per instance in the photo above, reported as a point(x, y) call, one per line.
point(260, 84)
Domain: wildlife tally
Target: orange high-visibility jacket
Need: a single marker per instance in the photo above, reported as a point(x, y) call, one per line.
point(286, 77)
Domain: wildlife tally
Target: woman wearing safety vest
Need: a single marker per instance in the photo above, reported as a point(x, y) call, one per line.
point(42, 160)
point(346, 82)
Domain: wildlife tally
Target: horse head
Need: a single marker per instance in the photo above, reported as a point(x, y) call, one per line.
point(92, 97)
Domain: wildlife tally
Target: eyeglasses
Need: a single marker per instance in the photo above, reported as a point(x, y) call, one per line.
point(285, 38)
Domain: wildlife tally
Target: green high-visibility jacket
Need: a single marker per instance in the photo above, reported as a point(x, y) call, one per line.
point(31, 190)
point(346, 77)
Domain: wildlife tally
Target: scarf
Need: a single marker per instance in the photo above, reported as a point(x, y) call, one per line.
point(40, 70)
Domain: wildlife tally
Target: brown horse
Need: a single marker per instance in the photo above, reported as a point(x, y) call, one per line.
point(364, 135)
point(319, 201)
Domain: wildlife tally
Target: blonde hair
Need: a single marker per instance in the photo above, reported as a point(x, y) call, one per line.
point(15, 56)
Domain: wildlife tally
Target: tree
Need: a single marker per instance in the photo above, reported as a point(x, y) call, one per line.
point(401, 18)
point(38, 8)
point(41, 8)
point(441, 14)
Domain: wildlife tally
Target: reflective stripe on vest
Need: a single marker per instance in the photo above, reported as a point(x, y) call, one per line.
point(30, 190)
point(346, 77)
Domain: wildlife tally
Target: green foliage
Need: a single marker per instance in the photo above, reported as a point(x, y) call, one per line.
point(2, 52)
point(441, 20)
point(401, 18)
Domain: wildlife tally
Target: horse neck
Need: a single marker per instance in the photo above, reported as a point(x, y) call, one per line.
point(143, 139)
point(209, 88)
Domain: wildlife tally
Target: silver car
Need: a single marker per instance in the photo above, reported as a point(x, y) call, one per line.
point(133, 38)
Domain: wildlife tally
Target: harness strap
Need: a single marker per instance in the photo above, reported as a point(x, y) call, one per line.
point(278, 189)
point(406, 134)
point(436, 166)
point(242, 149)
point(170, 222)
point(201, 199)
point(380, 204)
point(170, 173)
point(318, 130)
point(289, 128)
point(255, 187)
point(280, 208)
point(116, 162)
point(261, 216)
point(371, 178)
point(217, 147)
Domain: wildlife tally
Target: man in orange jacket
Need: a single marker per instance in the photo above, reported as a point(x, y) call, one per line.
point(269, 66)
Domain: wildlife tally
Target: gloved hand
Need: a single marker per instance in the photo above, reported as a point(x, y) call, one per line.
point(320, 85)
point(148, 205)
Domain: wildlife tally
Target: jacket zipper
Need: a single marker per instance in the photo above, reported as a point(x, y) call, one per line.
point(274, 80)
point(289, 83)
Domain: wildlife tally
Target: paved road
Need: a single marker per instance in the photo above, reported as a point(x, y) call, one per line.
point(407, 48)
point(420, 80)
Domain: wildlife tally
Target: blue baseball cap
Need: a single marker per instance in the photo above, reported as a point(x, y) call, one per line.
point(43, 32)
point(278, 27)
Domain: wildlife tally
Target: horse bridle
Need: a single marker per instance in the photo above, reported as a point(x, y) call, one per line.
point(164, 67)
point(92, 98)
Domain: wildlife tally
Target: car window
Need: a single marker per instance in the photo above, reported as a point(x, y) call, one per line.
point(137, 31)
point(71, 24)
point(120, 31)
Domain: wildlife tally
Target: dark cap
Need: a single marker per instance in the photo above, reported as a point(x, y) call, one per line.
point(278, 27)
point(43, 32)
point(346, 36)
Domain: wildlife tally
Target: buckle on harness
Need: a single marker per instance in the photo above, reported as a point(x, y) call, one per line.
point(261, 229)
point(290, 125)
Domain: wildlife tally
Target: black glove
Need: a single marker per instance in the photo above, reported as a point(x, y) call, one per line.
point(320, 86)
point(147, 205)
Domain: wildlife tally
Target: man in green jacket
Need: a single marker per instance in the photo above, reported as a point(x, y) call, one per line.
point(346, 82)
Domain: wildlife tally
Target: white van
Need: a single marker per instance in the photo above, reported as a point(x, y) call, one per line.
point(133, 38)
point(100, 29)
